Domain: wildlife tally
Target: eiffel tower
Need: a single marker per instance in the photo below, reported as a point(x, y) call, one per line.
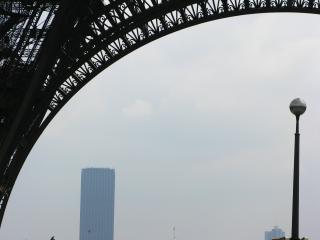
point(50, 49)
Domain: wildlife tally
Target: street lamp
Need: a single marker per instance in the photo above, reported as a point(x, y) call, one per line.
point(297, 107)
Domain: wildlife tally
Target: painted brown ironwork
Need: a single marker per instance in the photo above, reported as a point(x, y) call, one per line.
point(50, 49)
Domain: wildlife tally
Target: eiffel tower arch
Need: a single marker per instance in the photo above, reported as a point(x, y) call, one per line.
point(50, 49)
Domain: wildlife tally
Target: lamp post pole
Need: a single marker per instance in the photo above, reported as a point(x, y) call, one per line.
point(297, 107)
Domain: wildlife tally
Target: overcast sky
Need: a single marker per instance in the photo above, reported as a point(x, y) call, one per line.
point(198, 129)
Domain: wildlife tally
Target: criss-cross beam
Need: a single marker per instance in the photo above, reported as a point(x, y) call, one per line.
point(94, 35)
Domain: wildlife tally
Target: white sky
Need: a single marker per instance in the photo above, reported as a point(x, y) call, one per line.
point(198, 128)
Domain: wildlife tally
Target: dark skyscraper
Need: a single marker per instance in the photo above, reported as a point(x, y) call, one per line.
point(97, 204)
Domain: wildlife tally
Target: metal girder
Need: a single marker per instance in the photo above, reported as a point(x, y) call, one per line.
point(21, 130)
point(97, 34)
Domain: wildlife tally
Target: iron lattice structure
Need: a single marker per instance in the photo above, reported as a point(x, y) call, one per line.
point(50, 49)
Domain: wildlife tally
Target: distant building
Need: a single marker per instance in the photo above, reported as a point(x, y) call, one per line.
point(97, 204)
point(275, 233)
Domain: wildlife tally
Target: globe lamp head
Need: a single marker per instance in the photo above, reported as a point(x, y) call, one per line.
point(298, 106)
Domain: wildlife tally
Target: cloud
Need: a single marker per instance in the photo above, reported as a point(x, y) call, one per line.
point(139, 108)
point(215, 152)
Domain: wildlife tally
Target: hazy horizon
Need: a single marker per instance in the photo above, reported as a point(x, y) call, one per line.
point(198, 129)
